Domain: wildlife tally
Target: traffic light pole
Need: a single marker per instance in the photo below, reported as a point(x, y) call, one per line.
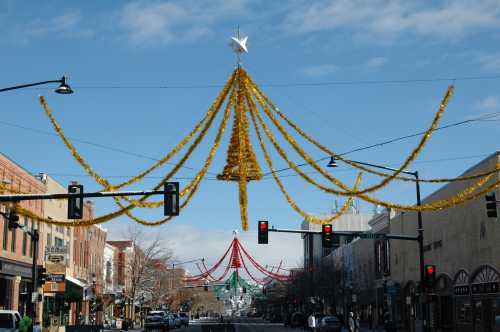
point(34, 272)
point(30, 197)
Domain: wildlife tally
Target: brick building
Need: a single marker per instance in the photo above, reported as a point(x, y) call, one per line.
point(16, 250)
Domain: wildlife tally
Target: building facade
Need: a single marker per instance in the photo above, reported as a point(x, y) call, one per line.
point(16, 250)
point(464, 245)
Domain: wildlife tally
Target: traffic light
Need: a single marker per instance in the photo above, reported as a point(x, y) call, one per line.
point(263, 232)
point(171, 199)
point(430, 275)
point(42, 275)
point(75, 204)
point(327, 236)
point(491, 206)
point(13, 220)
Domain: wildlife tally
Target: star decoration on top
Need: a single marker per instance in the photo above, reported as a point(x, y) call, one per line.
point(239, 45)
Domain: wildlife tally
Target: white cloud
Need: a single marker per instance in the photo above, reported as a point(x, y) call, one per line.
point(320, 70)
point(164, 22)
point(376, 62)
point(489, 104)
point(189, 242)
point(384, 20)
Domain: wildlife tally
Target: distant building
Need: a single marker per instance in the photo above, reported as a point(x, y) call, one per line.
point(313, 248)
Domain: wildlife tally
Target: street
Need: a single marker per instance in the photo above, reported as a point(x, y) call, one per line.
point(242, 324)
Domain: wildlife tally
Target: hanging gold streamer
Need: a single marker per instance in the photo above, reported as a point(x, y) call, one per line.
point(102, 181)
point(308, 217)
point(193, 186)
point(264, 100)
point(169, 175)
point(242, 185)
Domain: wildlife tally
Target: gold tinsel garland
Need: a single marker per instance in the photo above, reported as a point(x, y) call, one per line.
point(242, 164)
point(193, 186)
point(386, 180)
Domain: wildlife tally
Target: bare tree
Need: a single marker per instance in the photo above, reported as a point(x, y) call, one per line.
point(146, 266)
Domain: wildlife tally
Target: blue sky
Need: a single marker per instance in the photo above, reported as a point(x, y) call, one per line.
point(114, 51)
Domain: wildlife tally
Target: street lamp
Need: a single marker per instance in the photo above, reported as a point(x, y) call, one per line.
point(420, 229)
point(63, 87)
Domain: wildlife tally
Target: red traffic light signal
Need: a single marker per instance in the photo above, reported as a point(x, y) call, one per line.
point(263, 229)
point(326, 236)
point(430, 275)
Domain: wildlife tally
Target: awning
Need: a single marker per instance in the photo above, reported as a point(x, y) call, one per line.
point(74, 289)
point(75, 281)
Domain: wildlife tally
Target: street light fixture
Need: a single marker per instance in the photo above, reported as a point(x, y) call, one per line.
point(332, 162)
point(63, 88)
point(420, 229)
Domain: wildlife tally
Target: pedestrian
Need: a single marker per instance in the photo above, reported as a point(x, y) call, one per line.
point(312, 322)
point(351, 324)
point(357, 327)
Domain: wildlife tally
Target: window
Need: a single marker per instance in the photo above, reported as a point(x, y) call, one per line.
point(5, 233)
point(25, 236)
point(13, 241)
point(58, 242)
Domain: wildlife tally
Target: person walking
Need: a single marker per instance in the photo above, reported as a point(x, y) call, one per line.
point(312, 322)
point(357, 326)
point(351, 323)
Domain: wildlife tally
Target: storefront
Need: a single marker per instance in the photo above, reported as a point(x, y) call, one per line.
point(462, 301)
point(485, 292)
point(441, 308)
point(64, 308)
point(15, 283)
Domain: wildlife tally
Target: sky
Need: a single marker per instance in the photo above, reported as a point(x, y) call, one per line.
point(350, 72)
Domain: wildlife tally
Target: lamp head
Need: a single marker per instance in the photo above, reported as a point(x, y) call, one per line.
point(332, 162)
point(64, 88)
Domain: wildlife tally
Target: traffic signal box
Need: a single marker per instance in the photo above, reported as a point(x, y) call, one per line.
point(430, 275)
point(171, 199)
point(75, 204)
point(42, 275)
point(13, 220)
point(263, 228)
point(327, 236)
point(491, 206)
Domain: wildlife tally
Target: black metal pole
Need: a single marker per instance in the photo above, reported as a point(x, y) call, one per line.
point(30, 84)
point(34, 274)
point(421, 256)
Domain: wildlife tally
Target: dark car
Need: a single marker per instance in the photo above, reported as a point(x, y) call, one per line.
point(184, 319)
point(155, 323)
point(330, 324)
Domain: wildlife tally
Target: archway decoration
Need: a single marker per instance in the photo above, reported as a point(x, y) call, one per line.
point(242, 100)
point(233, 262)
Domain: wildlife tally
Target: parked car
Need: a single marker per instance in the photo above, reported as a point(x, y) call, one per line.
point(177, 320)
point(184, 318)
point(9, 321)
point(330, 324)
point(155, 323)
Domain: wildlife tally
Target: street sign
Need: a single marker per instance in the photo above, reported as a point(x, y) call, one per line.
point(56, 277)
point(54, 287)
point(55, 268)
point(371, 236)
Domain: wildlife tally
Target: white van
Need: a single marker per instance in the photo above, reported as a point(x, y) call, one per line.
point(9, 321)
